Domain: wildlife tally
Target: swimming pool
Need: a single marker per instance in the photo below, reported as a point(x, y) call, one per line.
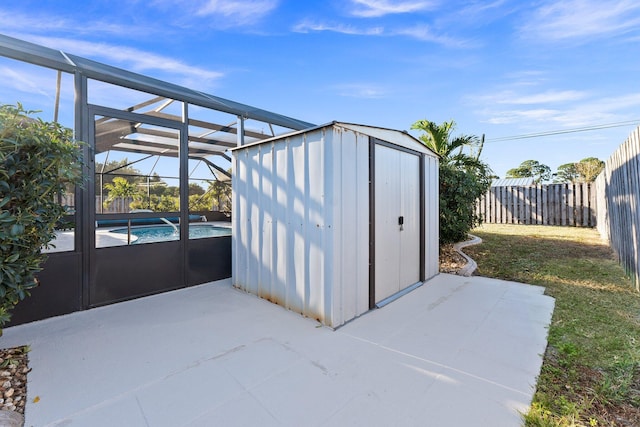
point(163, 233)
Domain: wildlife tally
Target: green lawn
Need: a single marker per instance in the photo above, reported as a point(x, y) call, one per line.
point(591, 370)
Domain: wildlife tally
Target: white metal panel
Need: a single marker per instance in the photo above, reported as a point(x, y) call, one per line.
point(253, 225)
point(409, 189)
point(361, 224)
point(350, 295)
point(316, 215)
point(297, 265)
point(280, 169)
point(387, 231)
point(239, 263)
point(265, 244)
point(397, 247)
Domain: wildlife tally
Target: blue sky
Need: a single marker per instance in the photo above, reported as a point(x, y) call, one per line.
point(499, 68)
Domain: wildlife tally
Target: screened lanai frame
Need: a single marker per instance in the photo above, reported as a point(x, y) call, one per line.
point(177, 112)
point(160, 92)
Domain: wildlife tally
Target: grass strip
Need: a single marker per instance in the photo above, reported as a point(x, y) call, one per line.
point(591, 370)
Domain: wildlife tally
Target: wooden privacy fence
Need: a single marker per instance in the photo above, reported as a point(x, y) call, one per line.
point(549, 204)
point(117, 205)
point(618, 190)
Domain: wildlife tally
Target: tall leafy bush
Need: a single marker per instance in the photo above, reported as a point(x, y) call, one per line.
point(460, 187)
point(463, 177)
point(38, 160)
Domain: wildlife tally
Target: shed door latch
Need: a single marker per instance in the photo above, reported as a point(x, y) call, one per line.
point(401, 222)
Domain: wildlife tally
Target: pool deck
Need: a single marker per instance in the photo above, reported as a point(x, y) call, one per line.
point(458, 351)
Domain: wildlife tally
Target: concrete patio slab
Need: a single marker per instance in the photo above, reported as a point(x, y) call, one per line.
point(457, 351)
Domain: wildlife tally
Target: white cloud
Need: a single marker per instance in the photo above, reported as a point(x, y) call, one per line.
point(13, 20)
point(240, 12)
point(620, 102)
point(47, 24)
point(606, 110)
point(512, 97)
point(474, 14)
point(528, 102)
point(28, 81)
point(526, 77)
point(132, 59)
point(359, 90)
point(568, 118)
point(580, 19)
point(581, 112)
point(418, 32)
point(476, 8)
point(424, 33)
point(377, 8)
point(310, 26)
point(502, 117)
point(219, 14)
point(157, 17)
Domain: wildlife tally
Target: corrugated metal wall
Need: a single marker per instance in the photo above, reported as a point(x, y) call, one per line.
point(350, 204)
point(301, 222)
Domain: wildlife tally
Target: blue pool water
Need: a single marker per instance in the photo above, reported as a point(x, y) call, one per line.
point(163, 233)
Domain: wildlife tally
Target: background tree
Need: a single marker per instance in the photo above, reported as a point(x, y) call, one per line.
point(106, 173)
point(157, 203)
point(171, 191)
point(120, 187)
point(114, 168)
point(566, 173)
point(200, 202)
point(195, 189)
point(157, 188)
point(463, 178)
point(589, 168)
point(531, 169)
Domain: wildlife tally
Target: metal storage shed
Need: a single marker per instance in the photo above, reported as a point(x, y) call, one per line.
point(335, 220)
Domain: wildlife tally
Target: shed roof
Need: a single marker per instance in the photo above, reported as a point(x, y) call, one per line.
point(513, 182)
point(401, 138)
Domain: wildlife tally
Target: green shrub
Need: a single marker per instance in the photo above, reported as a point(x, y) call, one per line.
point(460, 187)
point(38, 160)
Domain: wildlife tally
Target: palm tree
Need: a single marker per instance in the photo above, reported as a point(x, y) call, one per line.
point(437, 137)
point(120, 188)
point(221, 192)
point(463, 177)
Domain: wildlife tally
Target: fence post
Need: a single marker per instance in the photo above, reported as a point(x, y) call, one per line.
point(571, 194)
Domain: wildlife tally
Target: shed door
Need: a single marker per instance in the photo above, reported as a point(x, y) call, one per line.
point(397, 220)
